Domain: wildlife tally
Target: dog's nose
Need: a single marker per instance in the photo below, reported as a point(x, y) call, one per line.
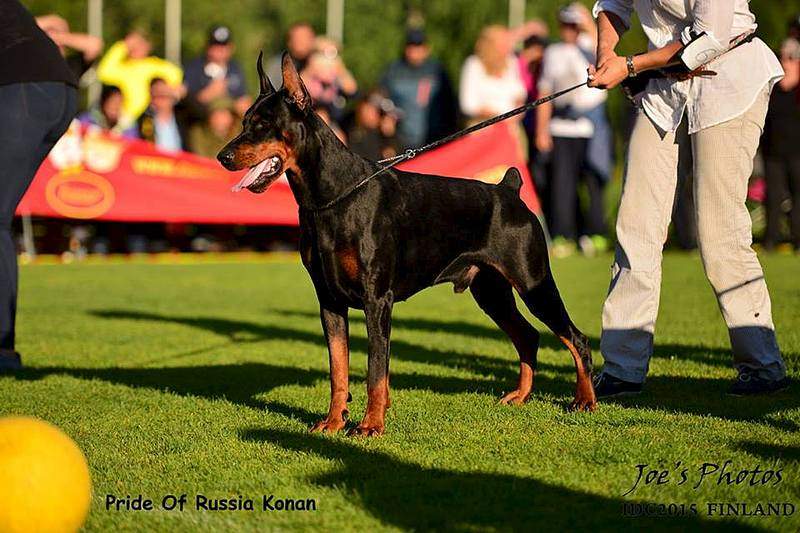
point(226, 158)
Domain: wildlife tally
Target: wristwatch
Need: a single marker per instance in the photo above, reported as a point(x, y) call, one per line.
point(631, 68)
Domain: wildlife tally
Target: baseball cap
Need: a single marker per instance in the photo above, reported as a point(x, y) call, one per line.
point(219, 35)
point(415, 36)
point(569, 15)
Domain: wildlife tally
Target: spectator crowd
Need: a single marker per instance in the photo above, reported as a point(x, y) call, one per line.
point(568, 143)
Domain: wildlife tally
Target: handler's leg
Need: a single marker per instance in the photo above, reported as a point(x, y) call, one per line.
point(32, 118)
point(630, 310)
point(723, 157)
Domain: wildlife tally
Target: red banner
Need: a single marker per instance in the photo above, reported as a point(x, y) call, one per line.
point(484, 155)
point(95, 176)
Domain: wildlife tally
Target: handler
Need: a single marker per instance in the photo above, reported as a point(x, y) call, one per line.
point(37, 102)
point(720, 118)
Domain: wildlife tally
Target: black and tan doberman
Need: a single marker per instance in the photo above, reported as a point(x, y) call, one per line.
point(370, 240)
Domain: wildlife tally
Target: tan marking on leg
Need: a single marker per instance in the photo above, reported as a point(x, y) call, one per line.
point(339, 353)
point(373, 422)
point(526, 371)
point(585, 399)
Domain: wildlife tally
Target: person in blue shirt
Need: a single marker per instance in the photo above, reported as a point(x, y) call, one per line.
point(421, 89)
point(215, 74)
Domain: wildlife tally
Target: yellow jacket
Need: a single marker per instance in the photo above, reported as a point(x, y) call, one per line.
point(133, 77)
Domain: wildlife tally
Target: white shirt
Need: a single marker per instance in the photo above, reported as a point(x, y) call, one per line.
point(741, 73)
point(563, 66)
point(481, 91)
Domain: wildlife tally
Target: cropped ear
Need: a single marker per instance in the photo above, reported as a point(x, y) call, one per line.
point(294, 85)
point(265, 83)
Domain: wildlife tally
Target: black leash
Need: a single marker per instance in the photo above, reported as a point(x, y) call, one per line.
point(411, 153)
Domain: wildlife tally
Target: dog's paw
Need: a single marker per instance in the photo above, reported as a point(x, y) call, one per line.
point(516, 397)
point(366, 431)
point(587, 404)
point(330, 424)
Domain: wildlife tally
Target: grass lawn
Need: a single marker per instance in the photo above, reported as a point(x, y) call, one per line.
point(203, 378)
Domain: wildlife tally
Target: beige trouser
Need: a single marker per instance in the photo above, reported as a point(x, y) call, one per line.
point(722, 159)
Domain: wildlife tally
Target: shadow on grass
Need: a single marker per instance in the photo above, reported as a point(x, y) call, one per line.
point(771, 452)
point(239, 383)
point(409, 496)
point(503, 372)
point(720, 357)
point(242, 383)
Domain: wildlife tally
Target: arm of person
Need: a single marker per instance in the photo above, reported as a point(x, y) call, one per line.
point(111, 70)
point(613, 20)
point(467, 97)
point(169, 72)
point(714, 19)
point(544, 140)
point(88, 45)
point(216, 88)
point(347, 83)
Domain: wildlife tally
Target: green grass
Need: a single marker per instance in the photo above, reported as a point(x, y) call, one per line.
point(202, 378)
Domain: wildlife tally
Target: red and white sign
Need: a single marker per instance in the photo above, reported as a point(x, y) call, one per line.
point(96, 176)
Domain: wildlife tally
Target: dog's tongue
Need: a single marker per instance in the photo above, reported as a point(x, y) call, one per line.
point(252, 175)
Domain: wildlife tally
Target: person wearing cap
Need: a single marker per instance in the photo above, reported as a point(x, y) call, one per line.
point(129, 66)
point(215, 74)
point(420, 88)
point(713, 110)
point(574, 130)
point(779, 146)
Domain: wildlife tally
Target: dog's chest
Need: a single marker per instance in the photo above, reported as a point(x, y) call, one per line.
point(335, 265)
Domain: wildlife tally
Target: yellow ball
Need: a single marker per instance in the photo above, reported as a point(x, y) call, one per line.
point(44, 478)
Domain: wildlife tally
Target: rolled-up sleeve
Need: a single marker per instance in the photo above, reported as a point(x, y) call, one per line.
point(715, 19)
point(622, 8)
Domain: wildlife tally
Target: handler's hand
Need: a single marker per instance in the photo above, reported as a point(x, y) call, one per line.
point(609, 74)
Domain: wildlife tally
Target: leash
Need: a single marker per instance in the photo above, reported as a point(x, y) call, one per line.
point(411, 153)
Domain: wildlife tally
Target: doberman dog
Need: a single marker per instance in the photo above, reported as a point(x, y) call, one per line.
point(370, 239)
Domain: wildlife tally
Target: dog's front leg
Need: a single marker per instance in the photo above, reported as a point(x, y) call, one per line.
point(378, 313)
point(335, 326)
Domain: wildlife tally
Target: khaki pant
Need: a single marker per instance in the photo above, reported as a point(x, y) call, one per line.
point(722, 159)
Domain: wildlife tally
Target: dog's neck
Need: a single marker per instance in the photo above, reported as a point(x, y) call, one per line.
point(327, 168)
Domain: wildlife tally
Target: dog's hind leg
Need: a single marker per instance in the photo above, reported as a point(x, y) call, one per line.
point(335, 326)
point(545, 303)
point(496, 298)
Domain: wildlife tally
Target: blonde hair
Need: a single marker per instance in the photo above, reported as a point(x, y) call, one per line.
point(491, 49)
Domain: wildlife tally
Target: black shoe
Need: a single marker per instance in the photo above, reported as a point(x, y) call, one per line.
point(9, 361)
point(749, 383)
point(606, 386)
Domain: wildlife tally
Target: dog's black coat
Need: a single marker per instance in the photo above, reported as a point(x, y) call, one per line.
point(397, 234)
